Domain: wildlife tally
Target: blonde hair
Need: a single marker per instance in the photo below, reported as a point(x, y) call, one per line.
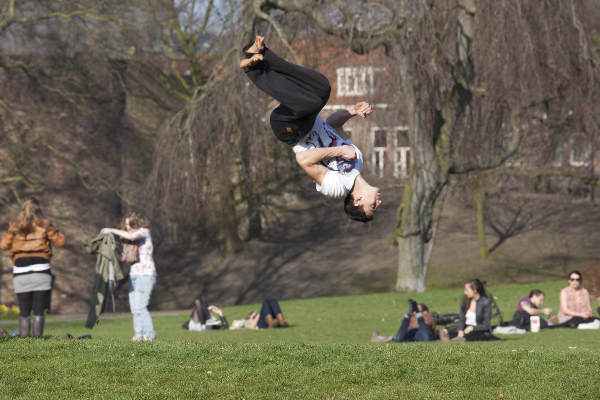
point(31, 215)
point(136, 221)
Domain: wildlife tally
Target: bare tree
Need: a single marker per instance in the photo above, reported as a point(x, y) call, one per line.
point(471, 74)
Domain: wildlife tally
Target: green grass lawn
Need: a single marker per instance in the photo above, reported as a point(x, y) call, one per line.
point(325, 354)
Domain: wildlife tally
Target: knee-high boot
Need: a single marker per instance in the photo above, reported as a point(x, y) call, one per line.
point(24, 324)
point(38, 326)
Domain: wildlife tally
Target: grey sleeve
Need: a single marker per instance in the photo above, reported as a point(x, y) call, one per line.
point(484, 318)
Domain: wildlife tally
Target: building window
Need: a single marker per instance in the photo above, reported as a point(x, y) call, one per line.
point(379, 144)
point(580, 152)
point(557, 157)
point(401, 153)
point(356, 81)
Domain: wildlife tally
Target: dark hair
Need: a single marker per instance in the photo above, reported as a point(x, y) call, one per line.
point(201, 307)
point(575, 272)
point(477, 286)
point(424, 307)
point(356, 213)
point(535, 292)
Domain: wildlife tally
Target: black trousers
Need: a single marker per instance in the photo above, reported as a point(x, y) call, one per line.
point(473, 336)
point(302, 93)
point(32, 300)
point(573, 322)
point(269, 307)
point(421, 334)
point(522, 320)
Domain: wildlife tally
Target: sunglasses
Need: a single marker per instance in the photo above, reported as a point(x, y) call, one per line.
point(574, 279)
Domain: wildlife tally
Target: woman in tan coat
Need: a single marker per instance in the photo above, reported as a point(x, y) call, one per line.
point(30, 242)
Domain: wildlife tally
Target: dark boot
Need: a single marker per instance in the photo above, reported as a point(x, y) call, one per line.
point(281, 321)
point(24, 324)
point(38, 326)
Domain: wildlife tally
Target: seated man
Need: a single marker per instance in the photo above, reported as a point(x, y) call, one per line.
point(528, 306)
point(417, 326)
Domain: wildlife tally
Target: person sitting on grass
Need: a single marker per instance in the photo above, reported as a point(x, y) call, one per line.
point(575, 307)
point(270, 316)
point(528, 306)
point(475, 316)
point(202, 317)
point(417, 326)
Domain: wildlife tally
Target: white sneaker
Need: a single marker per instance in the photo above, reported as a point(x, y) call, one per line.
point(595, 324)
point(147, 338)
point(137, 338)
point(508, 330)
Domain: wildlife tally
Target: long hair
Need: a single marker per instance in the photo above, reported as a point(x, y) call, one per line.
point(136, 221)
point(476, 285)
point(31, 215)
point(201, 307)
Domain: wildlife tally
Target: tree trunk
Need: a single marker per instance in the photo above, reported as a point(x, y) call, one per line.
point(479, 198)
point(432, 155)
point(228, 223)
point(411, 274)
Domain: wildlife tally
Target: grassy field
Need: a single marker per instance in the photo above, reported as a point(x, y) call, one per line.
point(325, 354)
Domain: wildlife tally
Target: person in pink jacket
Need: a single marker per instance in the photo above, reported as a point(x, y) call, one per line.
point(575, 307)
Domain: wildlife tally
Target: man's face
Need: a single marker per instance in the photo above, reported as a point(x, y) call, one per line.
point(537, 300)
point(371, 201)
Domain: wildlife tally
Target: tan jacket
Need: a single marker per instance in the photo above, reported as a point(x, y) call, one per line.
point(35, 244)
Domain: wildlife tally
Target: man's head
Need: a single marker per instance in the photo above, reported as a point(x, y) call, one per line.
point(361, 206)
point(536, 297)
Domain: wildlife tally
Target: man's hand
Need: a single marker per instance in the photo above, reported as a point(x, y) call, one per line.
point(362, 109)
point(347, 152)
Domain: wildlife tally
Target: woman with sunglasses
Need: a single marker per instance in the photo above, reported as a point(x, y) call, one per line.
point(575, 307)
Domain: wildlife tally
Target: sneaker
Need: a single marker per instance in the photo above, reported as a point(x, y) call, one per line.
point(412, 306)
point(147, 338)
point(137, 338)
point(595, 324)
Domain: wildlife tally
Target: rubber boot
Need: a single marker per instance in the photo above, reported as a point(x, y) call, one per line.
point(281, 320)
point(24, 324)
point(38, 326)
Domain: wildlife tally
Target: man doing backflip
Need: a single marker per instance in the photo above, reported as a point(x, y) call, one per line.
point(333, 162)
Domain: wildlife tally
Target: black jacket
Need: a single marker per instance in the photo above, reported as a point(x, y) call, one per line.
point(483, 315)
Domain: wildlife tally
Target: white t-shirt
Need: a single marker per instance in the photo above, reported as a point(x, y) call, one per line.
point(145, 265)
point(340, 176)
point(470, 318)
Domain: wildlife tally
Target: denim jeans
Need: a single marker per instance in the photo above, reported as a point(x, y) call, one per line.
point(422, 334)
point(140, 289)
point(269, 307)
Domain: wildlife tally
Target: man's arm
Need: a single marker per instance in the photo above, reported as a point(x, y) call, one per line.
point(310, 160)
point(339, 118)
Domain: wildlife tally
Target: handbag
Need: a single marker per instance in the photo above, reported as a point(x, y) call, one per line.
point(129, 253)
